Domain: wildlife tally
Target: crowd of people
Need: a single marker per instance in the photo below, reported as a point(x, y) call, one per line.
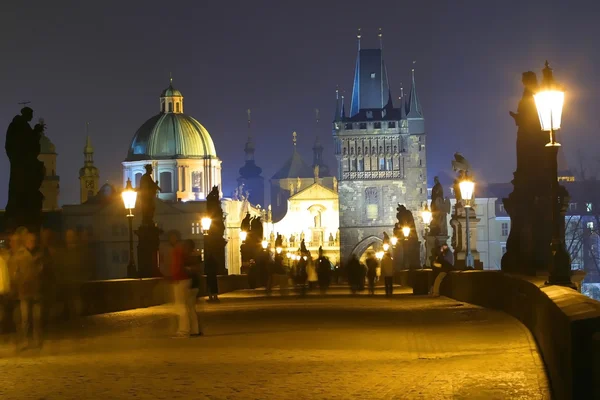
point(41, 279)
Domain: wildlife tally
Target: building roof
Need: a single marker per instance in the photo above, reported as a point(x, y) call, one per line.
point(171, 92)
point(171, 135)
point(294, 167)
point(371, 88)
point(46, 145)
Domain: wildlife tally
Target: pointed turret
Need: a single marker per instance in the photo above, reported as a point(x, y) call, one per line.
point(343, 108)
point(338, 106)
point(88, 175)
point(414, 106)
point(318, 158)
point(250, 180)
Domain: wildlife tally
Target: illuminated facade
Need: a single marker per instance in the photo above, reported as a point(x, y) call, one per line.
point(88, 175)
point(180, 150)
point(51, 184)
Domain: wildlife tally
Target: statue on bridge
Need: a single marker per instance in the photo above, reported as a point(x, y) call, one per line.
point(147, 196)
point(440, 208)
point(24, 207)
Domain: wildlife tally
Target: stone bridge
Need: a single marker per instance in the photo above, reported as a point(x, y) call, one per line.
point(490, 336)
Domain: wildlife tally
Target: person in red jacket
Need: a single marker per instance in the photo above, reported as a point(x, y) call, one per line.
point(184, 295)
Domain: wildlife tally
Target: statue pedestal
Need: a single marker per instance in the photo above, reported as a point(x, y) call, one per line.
point(148, 244)
point(432, 244)
point(459, 235)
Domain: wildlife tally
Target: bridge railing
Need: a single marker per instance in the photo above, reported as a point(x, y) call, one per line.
point(565, 324)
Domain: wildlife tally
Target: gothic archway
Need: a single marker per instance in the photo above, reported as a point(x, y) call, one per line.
point(364, 244)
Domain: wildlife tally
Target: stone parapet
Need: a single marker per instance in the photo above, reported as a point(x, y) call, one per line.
point(565, 323)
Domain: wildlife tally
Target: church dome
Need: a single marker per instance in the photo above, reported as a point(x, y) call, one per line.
point(171, 134)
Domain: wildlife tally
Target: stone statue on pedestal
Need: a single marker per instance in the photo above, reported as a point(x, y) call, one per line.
point(24, 207)
point(147, 196)
point(440, 208)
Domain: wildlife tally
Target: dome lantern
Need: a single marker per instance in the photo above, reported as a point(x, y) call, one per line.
point(171, 100)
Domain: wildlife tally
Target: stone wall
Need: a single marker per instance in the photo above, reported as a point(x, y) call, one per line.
point(565, 324)
point(356, 222)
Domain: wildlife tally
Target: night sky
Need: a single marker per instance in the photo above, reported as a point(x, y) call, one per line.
point(107, 62)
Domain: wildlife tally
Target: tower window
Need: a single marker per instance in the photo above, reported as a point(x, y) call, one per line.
point(588, 207)
point(137, 179)
point(382, 164)
point(170, 107)
point(391, 124)
point(377, 125)
point(373, 75)
point(177, 108)
point(162, 106)
point(504, 228)
point(372, 202)
point(362, 125)
point(361, 165)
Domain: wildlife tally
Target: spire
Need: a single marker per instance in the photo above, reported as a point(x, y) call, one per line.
point(402, 102)
point(414, 106)
point(370, 88)
point(294, 135)
point(338, 108)
point(249, 147)
point(318, 158)
point(358, 36)
point(343, 108)
point(171, 99)
point(380, 36)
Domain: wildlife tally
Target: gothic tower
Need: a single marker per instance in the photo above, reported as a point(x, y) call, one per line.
point(250, 178)
point(51, 183)
point(380, 151)
point(88, 175)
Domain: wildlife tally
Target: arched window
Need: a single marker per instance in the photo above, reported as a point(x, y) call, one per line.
point(165, 182)
point(137, 179)
point(162, 106)
point(170, 106)
point(177, 106)
point(381, 164)
point(372, 202)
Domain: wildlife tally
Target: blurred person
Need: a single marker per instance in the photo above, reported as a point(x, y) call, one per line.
point(27, 270)
point(323, 271)
point(353, 273)
point(372, 265)
point(387, 271)
point(183, 294)
point(311, 273)
point(301, 275)
point(49, 254)
point(5, 285)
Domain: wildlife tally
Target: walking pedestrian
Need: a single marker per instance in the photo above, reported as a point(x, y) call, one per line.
point(311, 272)
point(184, 295)
point(372, 266)
point(323, 271)
point(387, 270)
point(354, 273)
point(27, 269)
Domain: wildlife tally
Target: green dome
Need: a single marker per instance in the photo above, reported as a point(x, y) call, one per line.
point(169, 136)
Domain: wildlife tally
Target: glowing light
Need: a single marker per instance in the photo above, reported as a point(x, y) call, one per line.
point(386, 247)
point(426, 215)
point(467, 187)
point(406, 231)
point(129, 197)
point(394, 240)
point(264, 244)
point(205, 223)
point(243, 235)
point(379, 255)
point(549, 104)
point(278, 250)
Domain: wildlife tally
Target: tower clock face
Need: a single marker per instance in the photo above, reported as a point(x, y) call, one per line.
point(89, 184)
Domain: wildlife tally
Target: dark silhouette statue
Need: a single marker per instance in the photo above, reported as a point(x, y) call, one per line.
point(215, 240)
point(147, 196)
point(24, 207)
point(256, 228)
point(411, 249)
point(440, 208)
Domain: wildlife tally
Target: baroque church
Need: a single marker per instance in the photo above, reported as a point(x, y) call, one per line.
point(380, 151)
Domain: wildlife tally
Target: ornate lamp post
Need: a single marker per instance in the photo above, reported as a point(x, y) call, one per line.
point(129, 197)
point(243, 236)
point(379, 255)
point(467, 186)
point(264, 245)
point(549, 101)
point(386, 247)
point(406, 232)
point(394, 241)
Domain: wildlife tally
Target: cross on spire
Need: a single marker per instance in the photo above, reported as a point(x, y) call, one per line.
point(294, 138)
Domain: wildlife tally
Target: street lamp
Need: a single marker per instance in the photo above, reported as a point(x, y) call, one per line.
point(205, 223)
point(406, 232)
point(386, 247)
point(264, 244)
point(379, 255)
point(467, 187)
point(278, 250)
point(549, 101)
point(427, 216)
point(394, 240)
point(129, 197)
point(243, 235)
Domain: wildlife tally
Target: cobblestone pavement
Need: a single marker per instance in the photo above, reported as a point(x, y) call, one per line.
point(334, 347)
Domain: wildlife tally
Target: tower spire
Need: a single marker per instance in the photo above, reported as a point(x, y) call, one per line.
point(358, 36)
point(338, 108)
point(294, 136)
point(170, 79)
point(414, 106)
point(343, 108)
point(380, 36)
